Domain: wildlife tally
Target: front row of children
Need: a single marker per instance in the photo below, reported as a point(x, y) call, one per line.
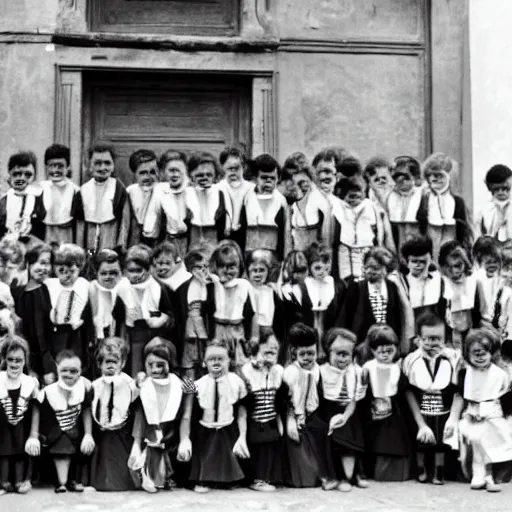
point(303, 425)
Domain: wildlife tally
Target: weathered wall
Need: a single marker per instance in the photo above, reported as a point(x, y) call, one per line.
point(30, 16)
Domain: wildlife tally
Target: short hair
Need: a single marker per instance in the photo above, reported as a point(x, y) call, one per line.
point(69, 254)
point(428, 319)
point(354, 183)
point(141, 156)
point(22, 159)
point(437, 162)
point(380, 335)
point(162, 348)
point(506, 257)
point(10, 342)
point(294, 261)
point(202, 158)
point(264, 163)
point(406, 164)
point(454, 249)
point(194, 257)
point(139, 254)
point(106, 256)
point(66, 354)
point(417, 246)
point(293, 170)
point(219, 343)
point(349, 166)
point(382, 255)
point(102, 147)
point(327, 155)
point(296, 160)
point(265, 333)
point(497, 174)
point(113, 346)
point(302, 335)
point(169, 156)
point(486, 246)
point(227, 249)
point(488, 337)
point(11, 251)
point(376, 162)
point(57, 151)
point(338, 332)
point(33, 254)
point(232, 151)
point(318, 252)
point(166, 247)
point(259, 256)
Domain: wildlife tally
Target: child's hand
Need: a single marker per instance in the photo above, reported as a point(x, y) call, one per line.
point(241, 449)
point(337, 421)
point(425, 435)
point(449, 429)
point(33, 447)
point(280, 428)
point(88, 445)
point(157, 322)
point(185, 450)
point(141, 377)
point(292, 429)
point(49, 378)
point(76, 324)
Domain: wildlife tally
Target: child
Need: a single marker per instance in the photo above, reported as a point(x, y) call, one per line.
point(378, 176)
point(19, 415)
point(218, 440)
point(493, 219)
point(342, 388)
point(294, 271)
point(66, 422)
point(167, 265)
point(326, 180)
point(162, 419)
point(71, 308)
point(266, 401)
point(388, 435)
point(358, 226)
point(32, 304)
point(114, 393)
point(211, 212)
point(235, 317)
point(502, 308)
point(430, 371)
point(414, 168)
point(143, 166)
point(12, 255)
point(264, 215)
point(21, 208)
point(463, 302)
point(61, 197)
point(442, 215)
point(483, 428)
point(403, 201)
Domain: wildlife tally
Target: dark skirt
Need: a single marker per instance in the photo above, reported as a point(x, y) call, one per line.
point(65, 338)
point(348, 438)
point(138, 336)
point(13, 437)
point(266, 449)
point(389, 468)
point(213, 459)
point(389, 436)
point(436, 423)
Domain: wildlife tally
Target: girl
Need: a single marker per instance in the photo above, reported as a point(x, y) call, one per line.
point(266, 400)
point(66, 421)
point(385, 407)
point(235, 310)
point(483, 427)
point(463, 301)
point(219, 439)
point(32, 304)
point(293, 271)
point(378, 176)
point(167, 265)
point(19, 416)
point(342, 387)
point(114, 393)
point(161, 430)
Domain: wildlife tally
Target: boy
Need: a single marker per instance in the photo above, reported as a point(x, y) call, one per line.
point(168, 266)
point(378, 176)
point(21, 208)
point(106, 206)
point(61, 197)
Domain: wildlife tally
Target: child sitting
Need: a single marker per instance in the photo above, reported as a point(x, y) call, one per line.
point(167, 265)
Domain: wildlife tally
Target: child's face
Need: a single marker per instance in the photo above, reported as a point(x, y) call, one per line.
point(326, 179)
point(41, 269)
point(417, 265)
point(175, 172)
point(404, 183)
point(216, 360)
point(135, 273)
point(500, 191)
point(306, 357)
point(341, 353)
point(381, 180)
point(298, 275)
point(57, 169)
point(227, 270)
point(109, 274)
point(374, 271)
point(266, 182)
point(479, 356)
point(268, 351)
point(166, 265)
point(233, 169)
point(67, 274)
point(302, 183)
point(354, 198)
point(21, 177)
point(110, 366)
point(438, 180)
point(431, 339)
point(385, 354)
point(506, 274)
point(102, 165)
point(490, 264)
point(69, 370)
point(319, 269)
point(156, 367)
point(258, 273)
point(201, 271)
point(204, 176)
point(146, 174)
point(455, 268)
point(15, 362)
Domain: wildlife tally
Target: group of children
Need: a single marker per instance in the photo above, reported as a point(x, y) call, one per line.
point(232, 322)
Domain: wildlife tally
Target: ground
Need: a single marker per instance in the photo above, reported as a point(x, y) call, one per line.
point(382, 497)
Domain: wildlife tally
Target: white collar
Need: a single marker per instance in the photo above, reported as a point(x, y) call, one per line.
point(148, 397)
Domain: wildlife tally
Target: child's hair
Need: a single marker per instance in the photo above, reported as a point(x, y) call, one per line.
point(69, 254)
point(295, 161)
point(327, 155)
point(22, 159)
point(486, 246)
point(163, 348)
point(193, 258)
point(437, 162)
point(225, 250)
point(170, 155)
point(338, 332)
point(318, 252)
point(295, 261)
point(259, 256)
point(302, 335)
point(139, 254)
point(201, 158)
point(265, 334)
point(66, 354)
point(11, 342)
point(106, 256)
point(406, 164)
point(141, 156)
point(427, 319)
point(57, 151)
point(380, 335)
point(497, 174)
point(264, 163)
point(11, 251)
point(102, 147)
point(232, 151)
point(506, 257)
point(454, 249)
point(293, 170)
point(114, 346)
point(354, 183)
point(375, 163)
point(380, 254)
point(487, 337)
point(33, 254)
point(166, 247)
point(349, 166)
point(220, 343)
point(417, 246)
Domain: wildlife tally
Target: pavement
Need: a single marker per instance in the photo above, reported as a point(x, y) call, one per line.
point(382, 497)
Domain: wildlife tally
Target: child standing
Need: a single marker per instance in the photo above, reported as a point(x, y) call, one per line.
point(378, 176)
point(502, 308)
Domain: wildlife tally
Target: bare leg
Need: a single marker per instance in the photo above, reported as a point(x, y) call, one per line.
point(439, 469)
point(422, 471)
point(348, 463)
point(62, 468)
